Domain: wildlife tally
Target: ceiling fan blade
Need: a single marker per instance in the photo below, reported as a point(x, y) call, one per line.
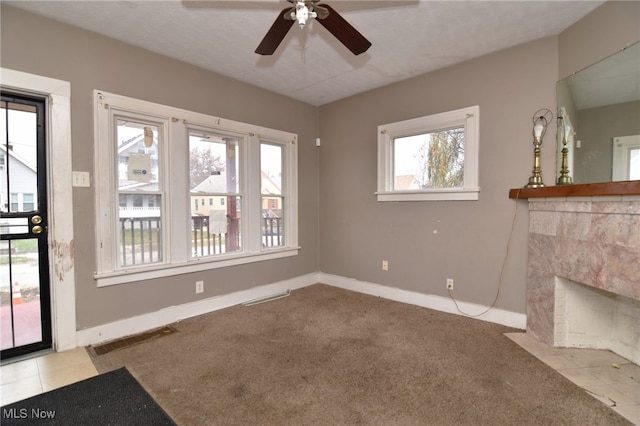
point(276, 33)
point(322, 11)
point(344, 32)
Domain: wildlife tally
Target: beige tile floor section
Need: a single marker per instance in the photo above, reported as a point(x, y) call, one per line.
point(601, 373)
point(591, 369)
point(29, 377)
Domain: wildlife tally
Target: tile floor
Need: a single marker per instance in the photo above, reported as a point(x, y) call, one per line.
point(606, 376)
point(29, 377)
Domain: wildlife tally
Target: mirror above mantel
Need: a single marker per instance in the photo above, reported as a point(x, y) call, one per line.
point(600, 110)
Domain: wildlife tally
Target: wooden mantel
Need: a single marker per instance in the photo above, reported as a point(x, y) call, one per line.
point(629, 187)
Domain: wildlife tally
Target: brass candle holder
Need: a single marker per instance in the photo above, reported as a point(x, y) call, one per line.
point(564, 178)
point(540, 120)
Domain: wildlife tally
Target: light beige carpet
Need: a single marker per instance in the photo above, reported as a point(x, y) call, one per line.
point(326, 356)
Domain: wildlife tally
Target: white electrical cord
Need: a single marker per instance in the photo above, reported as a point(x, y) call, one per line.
point(504, 263)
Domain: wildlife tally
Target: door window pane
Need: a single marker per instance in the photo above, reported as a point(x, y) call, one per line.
point(14, 203)
point(18, 136)
point(4, 199)
point(14, 225)
point(19, 275)
point(28, 204)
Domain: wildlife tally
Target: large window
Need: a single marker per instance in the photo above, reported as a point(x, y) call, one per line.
point(179, 191)
point(429, 158)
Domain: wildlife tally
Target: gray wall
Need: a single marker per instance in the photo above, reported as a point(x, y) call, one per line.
point(39, 46)
point(472, 236)
point(471, 240)
point(603, 32)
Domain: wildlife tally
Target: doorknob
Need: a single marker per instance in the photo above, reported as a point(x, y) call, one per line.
point(36, 220)
point(37, 229)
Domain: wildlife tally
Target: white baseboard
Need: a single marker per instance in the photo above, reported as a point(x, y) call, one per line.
point(431, 301)
point(150, 321)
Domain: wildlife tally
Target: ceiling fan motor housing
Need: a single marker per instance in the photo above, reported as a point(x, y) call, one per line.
point(302, 14)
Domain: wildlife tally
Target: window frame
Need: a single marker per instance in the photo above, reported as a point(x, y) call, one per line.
point(176, 209)
point(468, 117)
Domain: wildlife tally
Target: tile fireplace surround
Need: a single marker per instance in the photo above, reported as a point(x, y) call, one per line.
point(583, 275)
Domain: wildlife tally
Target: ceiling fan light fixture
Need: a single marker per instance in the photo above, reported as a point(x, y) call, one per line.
point(302, 14)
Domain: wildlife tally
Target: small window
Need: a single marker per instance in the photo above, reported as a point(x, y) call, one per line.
point(14, 203)
point(137, 201)
point(28, 204)
point(429, 158)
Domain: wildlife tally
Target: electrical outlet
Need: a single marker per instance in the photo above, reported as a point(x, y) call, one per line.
point(199, 286)
point(449, 283)
point(385, 265)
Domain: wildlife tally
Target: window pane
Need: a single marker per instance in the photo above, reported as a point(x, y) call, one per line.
point(271, 168)
point(138, 156)
point(217, 232)
point(139, 229)
point(634, 164)
point(214, 185)
point(272, 221)
point(213, 163)
point(429, 160)
point(139, 193)
point(272, 199)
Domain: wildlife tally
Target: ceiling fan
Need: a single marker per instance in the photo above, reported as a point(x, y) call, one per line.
point(301, 12)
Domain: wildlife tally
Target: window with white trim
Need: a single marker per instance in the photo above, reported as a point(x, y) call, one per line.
point(178, 191)
point(430, 158)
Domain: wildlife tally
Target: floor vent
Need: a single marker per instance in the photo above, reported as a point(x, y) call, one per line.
point(133, 340)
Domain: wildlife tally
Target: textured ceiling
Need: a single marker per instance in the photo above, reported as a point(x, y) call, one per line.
point(409, 37)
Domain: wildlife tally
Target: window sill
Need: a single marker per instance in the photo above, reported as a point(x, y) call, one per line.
point(433, 195)
point(196, 265)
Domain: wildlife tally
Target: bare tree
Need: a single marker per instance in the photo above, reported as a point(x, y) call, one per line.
point(202, 164)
